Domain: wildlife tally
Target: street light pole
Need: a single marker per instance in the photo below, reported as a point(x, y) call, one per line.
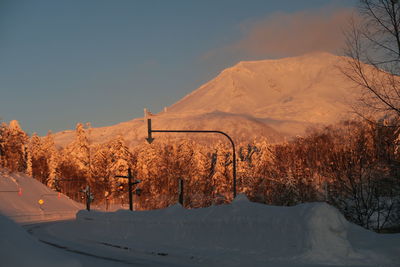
point(150, 139)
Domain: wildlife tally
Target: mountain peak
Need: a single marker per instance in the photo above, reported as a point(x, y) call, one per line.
point(252, 86)
point(269, 98)
point(314, 56)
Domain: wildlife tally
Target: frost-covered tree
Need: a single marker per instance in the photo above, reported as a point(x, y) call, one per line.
point(120, 159)
point(73, 166)
point(37, 159)
point(120, 156)
point(246, 166)
point(148, 169)
point(81, 147)
point(78, 152)
point(52, 158)
point(176, 161)
point(13, 147)
point(198, 186)
point(42, 159)
point(287, 180)
point(222, 178)
point(29, 170)
point(255, 161)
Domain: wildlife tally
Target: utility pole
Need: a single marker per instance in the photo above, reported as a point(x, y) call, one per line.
point(130, 184)
point(150, 139)
point(180, 192)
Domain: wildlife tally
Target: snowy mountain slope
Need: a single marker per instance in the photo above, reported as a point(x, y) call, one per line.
point(270, 98)
point(19, 196)
point(306, 88)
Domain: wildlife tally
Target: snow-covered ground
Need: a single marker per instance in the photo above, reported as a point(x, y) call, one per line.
point(20, 195)
point(19, 202)
point(18, 248)
point(239, 234)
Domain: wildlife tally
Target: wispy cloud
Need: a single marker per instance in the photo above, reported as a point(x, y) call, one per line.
point(288, 34)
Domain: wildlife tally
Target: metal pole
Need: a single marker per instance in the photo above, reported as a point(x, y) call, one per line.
point(88, 200)
point(151, 139)
point(130, 189)
point(180, 190)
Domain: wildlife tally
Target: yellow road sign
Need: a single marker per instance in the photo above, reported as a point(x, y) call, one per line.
point(41, 201)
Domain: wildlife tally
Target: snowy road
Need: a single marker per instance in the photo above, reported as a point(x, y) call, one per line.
point(91, 252)
point(102, 254)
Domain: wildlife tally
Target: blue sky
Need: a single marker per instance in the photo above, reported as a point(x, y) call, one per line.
point(63, 62)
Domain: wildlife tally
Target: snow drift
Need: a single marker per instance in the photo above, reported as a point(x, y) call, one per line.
point(309, 233)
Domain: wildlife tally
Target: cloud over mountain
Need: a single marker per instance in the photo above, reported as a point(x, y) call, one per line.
point(290, 34)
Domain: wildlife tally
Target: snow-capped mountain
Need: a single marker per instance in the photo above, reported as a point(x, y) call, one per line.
point(270, 98)
point(306, 89)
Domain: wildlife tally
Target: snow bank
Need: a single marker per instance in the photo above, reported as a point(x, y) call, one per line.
point(19, 196)
point(19, 249)
point(327, 236)
point(314, 232)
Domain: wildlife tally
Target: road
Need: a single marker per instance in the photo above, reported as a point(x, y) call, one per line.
point(89, 253)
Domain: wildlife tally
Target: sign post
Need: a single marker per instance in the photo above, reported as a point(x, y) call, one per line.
point(89, 197)
point(150, 139)
point(41, 200)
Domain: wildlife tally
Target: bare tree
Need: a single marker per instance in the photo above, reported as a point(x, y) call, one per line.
point(374, 38)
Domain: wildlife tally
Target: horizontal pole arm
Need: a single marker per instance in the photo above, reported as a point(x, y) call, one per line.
point(205, 131)
point(193, 131)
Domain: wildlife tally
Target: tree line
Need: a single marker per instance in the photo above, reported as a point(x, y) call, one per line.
point(353, 165)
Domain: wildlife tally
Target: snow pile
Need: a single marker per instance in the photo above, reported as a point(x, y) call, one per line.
point(18, 249)
point(20, 195)
point(308, 233)
point(327, 236)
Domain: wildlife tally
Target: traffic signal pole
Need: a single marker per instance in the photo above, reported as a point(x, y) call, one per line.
point(150, 139)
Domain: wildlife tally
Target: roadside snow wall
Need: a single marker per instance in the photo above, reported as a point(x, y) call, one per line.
point(314, 232)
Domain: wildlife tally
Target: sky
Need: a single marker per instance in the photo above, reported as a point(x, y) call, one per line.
point(103, 62)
